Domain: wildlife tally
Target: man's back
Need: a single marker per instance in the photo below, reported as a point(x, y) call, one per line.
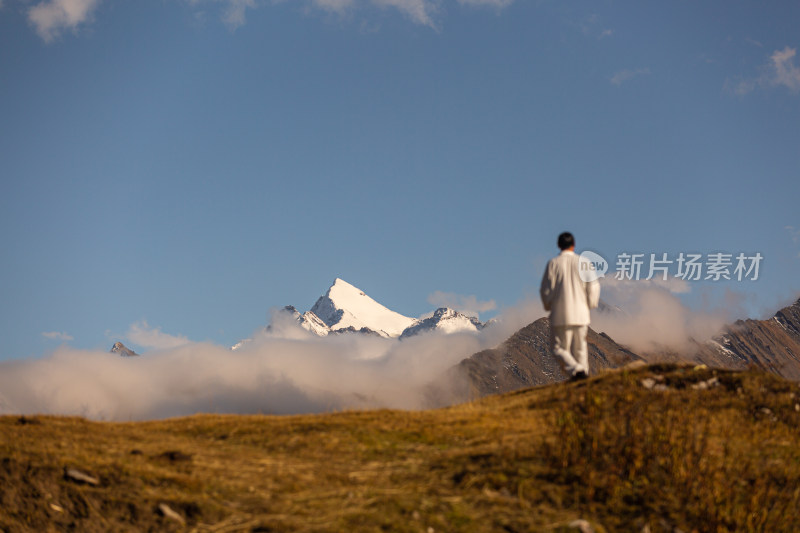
point(569, 298)
point(565, 294)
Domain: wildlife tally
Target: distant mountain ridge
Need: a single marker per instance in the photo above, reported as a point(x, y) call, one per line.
point(445, 320)
point(122, 350)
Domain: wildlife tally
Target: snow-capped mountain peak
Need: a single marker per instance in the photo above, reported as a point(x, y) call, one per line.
point(345, 306)
point(444, 320)
point(347, 309)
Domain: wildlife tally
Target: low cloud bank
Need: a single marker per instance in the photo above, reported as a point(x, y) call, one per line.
point(649, 317)
point(284, 371)
point(469, 305)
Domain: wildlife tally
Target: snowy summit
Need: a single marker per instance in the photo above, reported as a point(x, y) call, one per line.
point(444, 320)
point(347, 309)
point(345, 306)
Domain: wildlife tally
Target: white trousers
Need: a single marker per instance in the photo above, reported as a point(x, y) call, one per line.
point(570, 348)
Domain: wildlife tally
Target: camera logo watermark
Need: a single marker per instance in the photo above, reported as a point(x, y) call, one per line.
point(686, 266)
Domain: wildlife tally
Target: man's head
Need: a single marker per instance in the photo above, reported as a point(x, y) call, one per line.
point(566, 241)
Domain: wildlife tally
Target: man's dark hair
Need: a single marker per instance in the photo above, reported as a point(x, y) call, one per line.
point(566, 240)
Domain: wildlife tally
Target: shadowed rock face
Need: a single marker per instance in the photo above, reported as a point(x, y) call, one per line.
point(121, 349)
point(525, 360)
point(772, 345)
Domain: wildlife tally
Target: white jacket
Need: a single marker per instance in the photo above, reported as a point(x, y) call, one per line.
point(565, 294)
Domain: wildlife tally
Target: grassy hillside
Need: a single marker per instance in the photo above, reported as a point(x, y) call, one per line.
point(656, 448)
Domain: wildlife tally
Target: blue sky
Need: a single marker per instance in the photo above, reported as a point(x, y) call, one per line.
point(193, 163)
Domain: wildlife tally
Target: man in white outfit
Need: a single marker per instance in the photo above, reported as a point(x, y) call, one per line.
point(569, 298)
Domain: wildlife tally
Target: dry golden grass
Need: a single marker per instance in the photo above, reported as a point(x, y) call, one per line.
point(608, 450)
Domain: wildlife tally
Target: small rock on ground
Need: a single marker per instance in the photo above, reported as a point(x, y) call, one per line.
point(583, 526)
point(168, 512)
point(80, 477)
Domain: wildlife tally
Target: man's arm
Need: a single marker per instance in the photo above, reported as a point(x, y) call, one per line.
point(593, 294)
point(546, 289)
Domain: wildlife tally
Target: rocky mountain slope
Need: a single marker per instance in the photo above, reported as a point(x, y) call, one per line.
point(121, 349)
point(772, 345)
point(525, 360)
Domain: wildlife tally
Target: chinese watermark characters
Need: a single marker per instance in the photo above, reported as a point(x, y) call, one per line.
point(686, 266)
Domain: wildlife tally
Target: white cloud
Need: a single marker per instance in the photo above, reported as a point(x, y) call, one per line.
point(593, 26)
point(56, 335)
point(784, 71)
point(420, 11)
point(754, 42)
point(488, 3)
point(469, 305)
point(741, 87)
point(779, 70)
point(794, 233)
point(234, 14)
point(672, 284)
point(626, 75)
point(141, 334)
point(334, 5)
point(233, 11)
point(51, 17)
point(653, 318)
